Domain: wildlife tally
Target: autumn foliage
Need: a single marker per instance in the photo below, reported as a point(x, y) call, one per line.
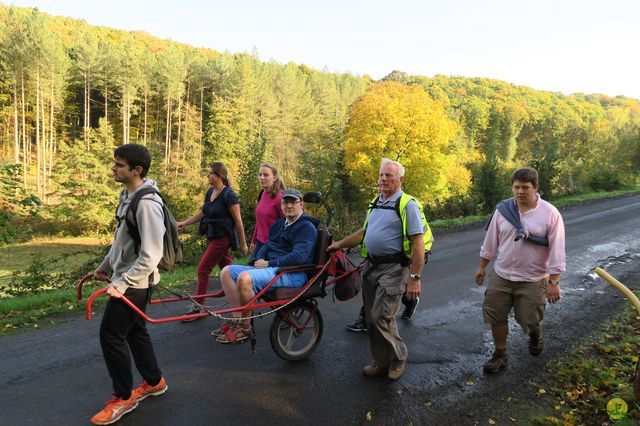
point(404, 123)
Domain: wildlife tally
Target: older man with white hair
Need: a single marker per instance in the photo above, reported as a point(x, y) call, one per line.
point(393, 245)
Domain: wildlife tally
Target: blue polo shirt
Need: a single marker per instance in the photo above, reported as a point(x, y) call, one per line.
point(384, 230)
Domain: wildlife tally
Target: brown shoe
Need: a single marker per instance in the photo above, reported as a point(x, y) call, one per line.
point(535, 343)
point(374, 369)
point(396, 371)
point(496, 363)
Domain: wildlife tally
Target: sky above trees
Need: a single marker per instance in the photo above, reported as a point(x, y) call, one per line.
point(568, 46)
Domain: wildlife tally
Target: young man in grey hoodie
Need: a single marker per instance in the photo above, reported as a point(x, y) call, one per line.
point(129, 273)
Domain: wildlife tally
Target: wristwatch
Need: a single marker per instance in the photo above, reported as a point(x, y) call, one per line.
point(415, 277)
point(554, 282)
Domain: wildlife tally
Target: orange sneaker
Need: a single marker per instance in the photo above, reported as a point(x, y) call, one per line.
point(114, 410)
point(145, 390)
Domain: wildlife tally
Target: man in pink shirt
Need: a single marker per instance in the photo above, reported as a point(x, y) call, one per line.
point(525, 274)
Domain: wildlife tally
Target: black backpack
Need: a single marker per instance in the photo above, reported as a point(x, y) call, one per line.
point(171, 245)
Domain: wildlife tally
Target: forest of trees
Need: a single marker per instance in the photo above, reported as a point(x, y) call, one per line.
point(70, 92)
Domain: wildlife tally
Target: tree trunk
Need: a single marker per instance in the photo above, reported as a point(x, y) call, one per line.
point(43, 144)
point(89, 101)
point(86, 112)
point(200, 147)
point(16, 136)
point(124, 115)
point(38, 147)
point(156, 121)
point(179, 128)
point(106, 101)
point(144, 138)
point(167, 137)
point(571, 188)
point(51, 138)
point(24, 135)
point(128, 116)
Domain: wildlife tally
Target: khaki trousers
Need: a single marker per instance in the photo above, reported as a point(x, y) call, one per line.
point(382, 291)
point(527, 299)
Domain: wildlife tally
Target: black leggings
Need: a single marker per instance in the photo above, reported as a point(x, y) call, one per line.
point(122, 330)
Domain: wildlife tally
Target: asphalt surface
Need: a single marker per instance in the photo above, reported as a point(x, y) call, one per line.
point(56, 375)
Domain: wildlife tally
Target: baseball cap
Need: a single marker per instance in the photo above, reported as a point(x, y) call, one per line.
point(292, 193)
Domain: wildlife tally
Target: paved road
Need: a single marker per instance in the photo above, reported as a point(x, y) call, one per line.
point(57, 376)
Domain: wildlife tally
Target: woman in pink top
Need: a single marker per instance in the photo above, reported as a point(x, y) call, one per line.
point(268, 210)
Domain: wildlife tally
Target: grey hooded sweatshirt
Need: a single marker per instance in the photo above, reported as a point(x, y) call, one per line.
point(126, 268)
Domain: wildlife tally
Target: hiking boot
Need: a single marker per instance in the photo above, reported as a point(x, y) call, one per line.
point(145, 389)
point(194, 310)
point(535, 343)
point(358, 325)
point(374, 369)
point(410, 307)
point(114, 410)
point(496, 363)
point(396, 371)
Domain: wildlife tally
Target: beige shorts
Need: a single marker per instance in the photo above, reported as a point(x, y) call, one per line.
point(528, 300)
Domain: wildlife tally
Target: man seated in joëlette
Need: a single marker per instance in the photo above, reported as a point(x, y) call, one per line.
point(292, 242)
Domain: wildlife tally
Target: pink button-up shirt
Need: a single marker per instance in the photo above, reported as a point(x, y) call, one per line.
point(521, 260)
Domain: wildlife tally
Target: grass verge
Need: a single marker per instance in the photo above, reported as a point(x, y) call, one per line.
point(574, 199)
point(602, 368)
point(448, 223)
point(56, 253)
point(558, 202)
point(43, 309)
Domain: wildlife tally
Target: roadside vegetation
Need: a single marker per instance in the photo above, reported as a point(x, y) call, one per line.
point(50, 307)
point(38, 279)
point(602, 368)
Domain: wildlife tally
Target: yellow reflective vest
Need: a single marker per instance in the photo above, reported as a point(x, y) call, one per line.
point(401, 209)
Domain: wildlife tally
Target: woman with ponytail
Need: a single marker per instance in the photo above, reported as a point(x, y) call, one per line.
point(221, 223)
point(268, 210)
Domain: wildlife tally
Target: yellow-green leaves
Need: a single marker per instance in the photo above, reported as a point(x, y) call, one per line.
point(404, 123)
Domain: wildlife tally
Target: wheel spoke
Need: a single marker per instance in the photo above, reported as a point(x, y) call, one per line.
point(290, 339)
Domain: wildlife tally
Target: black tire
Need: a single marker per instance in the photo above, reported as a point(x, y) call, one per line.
point(286, 341)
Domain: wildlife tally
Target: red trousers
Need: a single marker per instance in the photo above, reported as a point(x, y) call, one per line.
point(217, 253)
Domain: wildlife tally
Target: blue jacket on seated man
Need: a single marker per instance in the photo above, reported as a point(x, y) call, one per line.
point(291, 245)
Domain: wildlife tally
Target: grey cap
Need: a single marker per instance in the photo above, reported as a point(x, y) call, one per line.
point(292, 193)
